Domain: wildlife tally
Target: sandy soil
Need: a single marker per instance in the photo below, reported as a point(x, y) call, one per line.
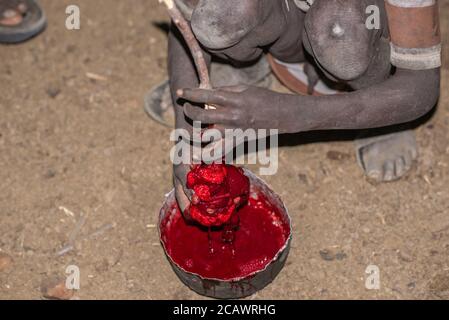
point(86, 146)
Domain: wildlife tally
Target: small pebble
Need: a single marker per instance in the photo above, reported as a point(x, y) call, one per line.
point(5, 261)
point(327, 255)
point(366, 230)
point(303, 178)
point(340, 256)
point(56, 289)
point(50, 174)
point(405, 256)
point(53, 92)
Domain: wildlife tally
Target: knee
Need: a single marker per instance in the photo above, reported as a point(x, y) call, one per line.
point(337, 35)
point(221, 24)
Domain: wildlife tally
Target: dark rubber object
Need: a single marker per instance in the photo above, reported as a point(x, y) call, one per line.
point(33, 23)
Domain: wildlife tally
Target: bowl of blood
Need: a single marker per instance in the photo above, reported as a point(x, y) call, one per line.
point(231, 260)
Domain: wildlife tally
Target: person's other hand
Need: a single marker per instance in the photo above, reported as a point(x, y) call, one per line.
point(183, 194)
point(235, 107)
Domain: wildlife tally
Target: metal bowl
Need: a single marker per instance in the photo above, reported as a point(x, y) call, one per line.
point(237, 287)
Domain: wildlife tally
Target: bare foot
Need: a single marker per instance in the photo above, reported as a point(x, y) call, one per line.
point(387, 157)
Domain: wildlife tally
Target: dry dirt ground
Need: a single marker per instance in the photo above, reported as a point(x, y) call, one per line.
point(72, 146)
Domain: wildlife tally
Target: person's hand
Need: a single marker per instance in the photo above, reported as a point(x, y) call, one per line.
point(238, 107)
point(183, 194)
point(235, 107)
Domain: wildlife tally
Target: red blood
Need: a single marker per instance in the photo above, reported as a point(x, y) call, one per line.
point(220, 189)
point(251, 246)
point(203, 192)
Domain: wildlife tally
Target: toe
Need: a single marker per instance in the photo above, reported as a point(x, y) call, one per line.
point(375, 174)
point(389, 170)
point(413, 153)
point(400, 167)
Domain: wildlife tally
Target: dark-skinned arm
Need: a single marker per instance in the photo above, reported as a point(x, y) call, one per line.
point(404, 97)
point(182, 73)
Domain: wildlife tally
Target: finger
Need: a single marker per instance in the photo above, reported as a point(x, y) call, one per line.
point(216, 97)
point(218, 150)
point(187, 133)
point(205, 116)
point(196, 153)
point(389, 170)
point(181, 197)
point(235, 89)
point(180, 179)
point(218, 127)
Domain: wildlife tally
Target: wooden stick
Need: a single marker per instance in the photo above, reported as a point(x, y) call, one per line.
point(194, 47)
point(186, 31)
